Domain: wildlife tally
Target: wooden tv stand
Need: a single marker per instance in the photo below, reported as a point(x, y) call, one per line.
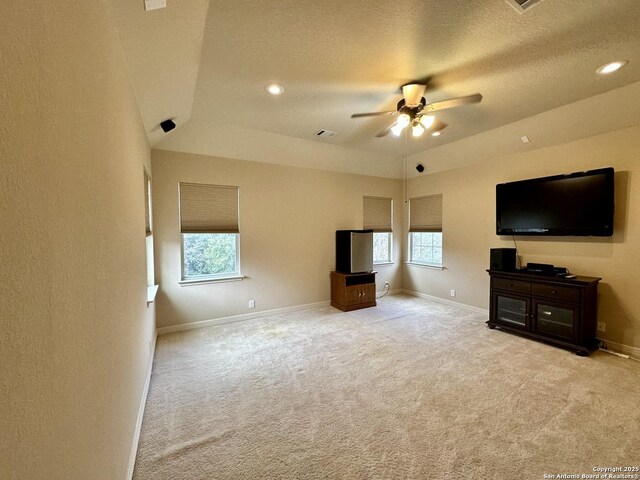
point(557, 310)
point(350, 291)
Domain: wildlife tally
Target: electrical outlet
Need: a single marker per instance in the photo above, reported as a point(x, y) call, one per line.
point(453, 293)
point(602, 327)
point(252, 304)
point(154, 4)
point(386, 284)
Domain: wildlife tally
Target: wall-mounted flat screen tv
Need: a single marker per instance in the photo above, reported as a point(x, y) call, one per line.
point(579, 203)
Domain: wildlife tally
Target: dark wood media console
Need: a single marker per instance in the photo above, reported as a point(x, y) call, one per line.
point(350, 291)
point(561, 311)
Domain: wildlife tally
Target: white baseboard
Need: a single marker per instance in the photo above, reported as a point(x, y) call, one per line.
point(143, 402)
point(237, 318)
point(622, 348)
point(250, 316)
point(447, 302)
point(391, 292)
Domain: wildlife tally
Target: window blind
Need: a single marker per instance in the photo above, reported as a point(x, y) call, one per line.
point(208, 208)
point(377, 214)
point(147, 203)
point(425, 214)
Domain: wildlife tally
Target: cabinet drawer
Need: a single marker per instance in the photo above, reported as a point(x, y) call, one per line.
point(516, 286)
point(567, 294)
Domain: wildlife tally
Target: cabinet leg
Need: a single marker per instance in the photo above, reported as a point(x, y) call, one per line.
point(582, 353)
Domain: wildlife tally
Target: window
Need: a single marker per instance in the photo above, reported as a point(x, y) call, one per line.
point(426, 248)
point(210, 234)
point(147, 203)
point(381, 247)
point(149, 240)
point(378, 216)
point(209, 255)
point(425, 230)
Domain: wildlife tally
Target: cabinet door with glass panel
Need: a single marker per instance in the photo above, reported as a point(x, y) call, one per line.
point(511, 310)
point(556, 319)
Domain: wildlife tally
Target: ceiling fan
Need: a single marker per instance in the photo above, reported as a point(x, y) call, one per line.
point(413, 110)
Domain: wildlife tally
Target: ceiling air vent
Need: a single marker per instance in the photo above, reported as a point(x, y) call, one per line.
point(522, 5)
point(325, 133)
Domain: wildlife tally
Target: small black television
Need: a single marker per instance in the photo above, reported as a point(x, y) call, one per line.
point(576, 204)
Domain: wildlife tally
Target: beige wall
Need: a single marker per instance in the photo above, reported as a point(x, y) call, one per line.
point(74, 326)
point(288, 219)
point(288, 266)
point(469, 228)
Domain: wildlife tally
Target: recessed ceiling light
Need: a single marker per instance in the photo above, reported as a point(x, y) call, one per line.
point(274, 89)
point(612, 67)
point(435, 134)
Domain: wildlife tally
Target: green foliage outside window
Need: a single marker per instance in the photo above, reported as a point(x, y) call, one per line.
point(209, 254)
point(381, 247)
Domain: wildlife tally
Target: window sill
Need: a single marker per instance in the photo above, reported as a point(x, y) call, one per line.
point(425, 265)
point(382, 264)
point(204, 281)
point(152, 291)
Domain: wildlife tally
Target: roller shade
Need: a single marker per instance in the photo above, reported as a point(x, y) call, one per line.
point(147, 203)
point(377, 214)
point(425, 214)
point(208, 208)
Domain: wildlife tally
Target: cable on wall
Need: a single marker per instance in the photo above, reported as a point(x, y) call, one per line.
point(406, 155)
point(386, 284)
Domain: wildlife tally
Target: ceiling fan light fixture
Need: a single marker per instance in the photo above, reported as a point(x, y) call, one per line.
point(611, 67)
point(396, 130)
point(427, 121)
point(403, 120)
point(413, 110)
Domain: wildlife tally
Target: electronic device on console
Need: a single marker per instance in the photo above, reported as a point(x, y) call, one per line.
point(546, 269)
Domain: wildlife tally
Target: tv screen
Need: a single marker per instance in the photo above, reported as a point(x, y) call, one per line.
point(575, 204)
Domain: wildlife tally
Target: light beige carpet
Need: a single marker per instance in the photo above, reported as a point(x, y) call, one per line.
point(411, 389)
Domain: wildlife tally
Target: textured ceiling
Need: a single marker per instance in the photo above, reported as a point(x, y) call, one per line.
point(162, 50)
point(336, 58)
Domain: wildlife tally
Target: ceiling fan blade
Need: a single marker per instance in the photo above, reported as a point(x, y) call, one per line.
point(373, 114)
point(437, 126)
point(384, 132)
point(413, 93)
point(452, 102)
